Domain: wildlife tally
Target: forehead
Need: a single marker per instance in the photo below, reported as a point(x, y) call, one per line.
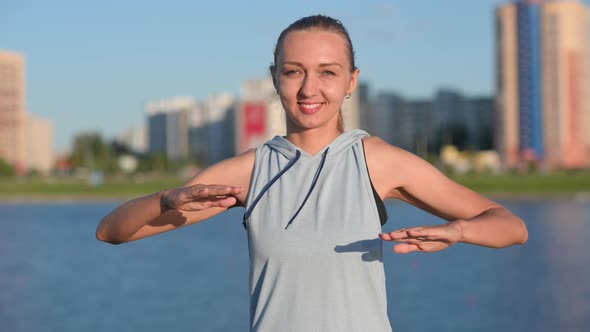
point(314, 46)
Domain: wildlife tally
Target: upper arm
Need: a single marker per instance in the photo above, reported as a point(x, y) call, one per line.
point(397, 173)
point(235, 171)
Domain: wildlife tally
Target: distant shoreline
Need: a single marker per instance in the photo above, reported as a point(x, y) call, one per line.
point(65, 199)
point(515, 187)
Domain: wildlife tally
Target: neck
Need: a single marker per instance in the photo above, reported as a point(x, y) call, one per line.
point(314, 140)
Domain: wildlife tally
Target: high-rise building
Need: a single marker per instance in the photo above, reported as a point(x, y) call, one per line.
point(420, 128)
point(506, 129)
point(528, 29)
point(425, 125)
point(13, 147)
point(479, 122)
point(221, 127)
point(135, 139)
point(259, 116)
point(366, 108)
point(351, 108)
point(543, 111)
point(168, 126)
point(566, 103)
point(447, 118)
point(390, 120)
point(39, 141)
point(198, 140)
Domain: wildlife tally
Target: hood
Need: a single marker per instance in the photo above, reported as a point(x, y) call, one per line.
point(283, 146)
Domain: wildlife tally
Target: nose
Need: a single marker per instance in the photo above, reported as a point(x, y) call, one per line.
point(309, 86)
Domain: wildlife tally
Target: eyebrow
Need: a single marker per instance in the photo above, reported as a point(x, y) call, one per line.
point(327, 64)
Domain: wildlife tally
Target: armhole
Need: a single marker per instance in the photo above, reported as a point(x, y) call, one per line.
point(253, 176)
point(378, 201)
point(249, 196)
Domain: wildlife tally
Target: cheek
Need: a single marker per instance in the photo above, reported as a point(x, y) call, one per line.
point(336, 91)
point(289, 87)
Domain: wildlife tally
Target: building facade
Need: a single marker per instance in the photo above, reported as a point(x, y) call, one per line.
point(542, 100)
point(13, 148)
point(259, 115)
point(168, 126)
point(39, 144)
point(221, 110)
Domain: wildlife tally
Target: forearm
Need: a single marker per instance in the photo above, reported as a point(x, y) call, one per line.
point(119, 225)
point(496, 228)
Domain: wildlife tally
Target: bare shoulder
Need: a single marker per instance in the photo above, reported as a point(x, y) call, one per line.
point(235, 171)
point(391, 167)
point(397, 173)
point(395, 169)
point(377, 148)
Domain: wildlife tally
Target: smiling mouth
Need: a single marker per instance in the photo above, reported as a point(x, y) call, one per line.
point(309, 108)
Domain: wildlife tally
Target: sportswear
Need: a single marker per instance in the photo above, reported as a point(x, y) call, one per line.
point(316, 261)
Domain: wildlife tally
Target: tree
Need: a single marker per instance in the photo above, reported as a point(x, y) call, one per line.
point(91, 152)
point(6, 170)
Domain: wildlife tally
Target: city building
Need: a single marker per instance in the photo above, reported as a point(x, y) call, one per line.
point(391, 120)
point(479, 123)
point(168, 126)
point(198, 141)
point(259, 115)
point(542, 100)
point(39, 144)
point(134, 138)
point(366, 108)
point(420, 129)
point(352, 106)
point(13, 146)
point(566, 92)
point(221, 127)
point(426, 125)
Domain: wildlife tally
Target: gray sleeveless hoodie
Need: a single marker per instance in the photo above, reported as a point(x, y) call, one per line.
point(316, 260)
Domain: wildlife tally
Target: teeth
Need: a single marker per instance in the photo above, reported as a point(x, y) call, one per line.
point(310, 106)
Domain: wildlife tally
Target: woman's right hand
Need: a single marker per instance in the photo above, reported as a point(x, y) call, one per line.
point(199, 197)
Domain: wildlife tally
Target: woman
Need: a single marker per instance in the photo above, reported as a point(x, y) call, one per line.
point(313, 199)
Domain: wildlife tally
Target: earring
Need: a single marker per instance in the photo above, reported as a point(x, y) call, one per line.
point(278, 93)
point(347, 96)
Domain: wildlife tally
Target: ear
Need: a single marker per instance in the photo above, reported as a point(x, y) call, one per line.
point(273, 72)
point(353, 81)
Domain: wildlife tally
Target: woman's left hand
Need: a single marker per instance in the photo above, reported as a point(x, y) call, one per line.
point(425, 238)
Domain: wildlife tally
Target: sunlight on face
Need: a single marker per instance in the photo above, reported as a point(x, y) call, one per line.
point(313, 75)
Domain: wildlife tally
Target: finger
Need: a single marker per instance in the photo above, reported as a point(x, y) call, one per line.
point(393, 236)
point(397, 235)
point(431, 233)
point(204, 192)
point(206, 204)
point(388, 237)
point(222, 190)
point(226, 202)
point(385, 236)
point(405, 248)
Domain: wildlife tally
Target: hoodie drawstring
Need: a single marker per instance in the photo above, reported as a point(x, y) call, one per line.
point(315, 180)
point(268, 185)
point(276, 177)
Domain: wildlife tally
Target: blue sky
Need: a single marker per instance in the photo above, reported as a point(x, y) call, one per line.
point(92, 65)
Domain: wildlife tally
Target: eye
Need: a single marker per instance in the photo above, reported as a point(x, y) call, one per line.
point(290, 72)
point(328, 73)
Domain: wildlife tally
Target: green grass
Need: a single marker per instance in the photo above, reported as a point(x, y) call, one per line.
point(557, 183)
point(69, 188)
point(553, 183)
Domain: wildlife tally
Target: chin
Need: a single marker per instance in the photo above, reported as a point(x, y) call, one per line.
point(307, 125)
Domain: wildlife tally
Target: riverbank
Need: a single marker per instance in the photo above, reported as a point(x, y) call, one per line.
point(562, 185)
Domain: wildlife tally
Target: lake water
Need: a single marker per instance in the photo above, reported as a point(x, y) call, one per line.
point(55, 276)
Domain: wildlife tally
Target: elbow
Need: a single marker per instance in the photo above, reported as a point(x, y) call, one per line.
point(101, 236)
